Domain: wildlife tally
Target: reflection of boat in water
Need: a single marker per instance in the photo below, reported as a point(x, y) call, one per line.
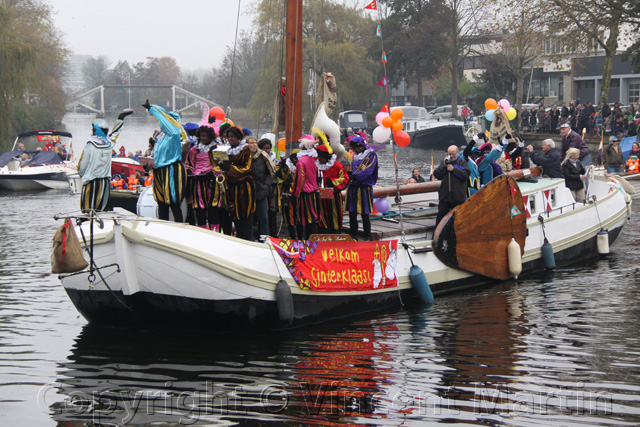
point(175, 274)
point(428, 132)
point(36, 166)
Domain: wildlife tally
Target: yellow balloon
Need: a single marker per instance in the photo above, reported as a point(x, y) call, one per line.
point(512, 113)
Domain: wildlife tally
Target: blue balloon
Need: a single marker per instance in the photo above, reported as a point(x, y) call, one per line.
point(490, 115)
point(382, 205)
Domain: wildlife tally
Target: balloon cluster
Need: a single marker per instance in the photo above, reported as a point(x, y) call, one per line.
point(388, 123)
point(218, 114)
point(491, 105)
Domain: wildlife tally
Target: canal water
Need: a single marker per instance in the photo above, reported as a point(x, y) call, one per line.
point(560, 348)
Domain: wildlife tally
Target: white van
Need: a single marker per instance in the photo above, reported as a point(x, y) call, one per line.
point(444, 112)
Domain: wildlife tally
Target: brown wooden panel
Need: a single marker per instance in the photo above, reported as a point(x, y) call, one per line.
point(474, 235)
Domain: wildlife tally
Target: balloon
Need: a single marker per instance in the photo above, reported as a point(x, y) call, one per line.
point(382, 205)
point(396, 126)
point(282, 145)
point(504, 104)
point(490, 115)
point(511, 113)
point(396, 114)
point(216, 129)
point(229, 121)
point(381, 115)
point(401, 138)
point(490, 104)
point(217, 112)
point(381, 134)
point(270, 136)
point(387, 122)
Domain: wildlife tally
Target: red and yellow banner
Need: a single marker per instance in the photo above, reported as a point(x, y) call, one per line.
point(340, 266)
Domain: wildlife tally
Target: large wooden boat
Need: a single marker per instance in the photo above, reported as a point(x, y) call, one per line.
point(152, 272)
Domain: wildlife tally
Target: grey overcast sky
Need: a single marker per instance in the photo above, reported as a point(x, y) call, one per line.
point(194, 32)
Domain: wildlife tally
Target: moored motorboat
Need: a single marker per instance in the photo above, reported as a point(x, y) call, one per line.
point(33, 165)
point(428, 132)
point(154, 272)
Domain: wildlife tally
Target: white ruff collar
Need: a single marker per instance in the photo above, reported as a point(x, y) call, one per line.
point(234, 151)
point(205, 148)
point(290, 165)
point(327, 165)
point(311, 152)
point(362, 155)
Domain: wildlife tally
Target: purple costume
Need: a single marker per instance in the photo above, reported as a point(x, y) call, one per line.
point(363, 178)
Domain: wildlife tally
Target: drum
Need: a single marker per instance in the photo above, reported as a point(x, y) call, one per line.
point(148, 207)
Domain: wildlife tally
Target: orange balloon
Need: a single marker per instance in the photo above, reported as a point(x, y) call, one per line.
point(229, 121)
point(217, 112)
point(491, 104)
point(401, 138)
point(387, 122)
point(396, 126)
point(396, 114)
point(282, 144)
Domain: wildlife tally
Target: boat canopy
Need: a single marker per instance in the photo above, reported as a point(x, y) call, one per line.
point(35, 139)
point(44, 158)
point(6, 157)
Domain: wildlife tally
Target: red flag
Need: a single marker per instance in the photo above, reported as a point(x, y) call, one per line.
point(382, 82)
point(385, 108)
point(372, 6)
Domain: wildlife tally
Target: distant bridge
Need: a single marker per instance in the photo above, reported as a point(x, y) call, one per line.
point(191, 99)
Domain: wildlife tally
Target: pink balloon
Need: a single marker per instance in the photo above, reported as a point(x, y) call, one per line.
point(217, 130)
point(504, 104)
point(381, 115)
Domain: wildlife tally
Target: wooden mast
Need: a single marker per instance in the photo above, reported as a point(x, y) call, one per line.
point(293, 105)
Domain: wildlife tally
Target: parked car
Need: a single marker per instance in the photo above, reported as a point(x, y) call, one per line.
point(444, 112)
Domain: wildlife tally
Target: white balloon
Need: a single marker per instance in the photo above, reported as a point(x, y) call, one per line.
point(381, 134)
point(271, 137)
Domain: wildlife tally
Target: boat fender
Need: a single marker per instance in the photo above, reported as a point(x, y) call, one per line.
point(419, 282)
point(603, 242)
point(547, 255)
point(284, 301)
point(515, 258)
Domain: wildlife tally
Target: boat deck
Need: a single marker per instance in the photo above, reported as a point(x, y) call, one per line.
point(419, 218)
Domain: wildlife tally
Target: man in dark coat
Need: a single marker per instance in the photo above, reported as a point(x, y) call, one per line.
point(571, 138)
point(453, 173)
point(550, 160)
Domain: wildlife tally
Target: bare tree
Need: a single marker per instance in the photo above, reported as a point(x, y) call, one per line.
point(94, 71)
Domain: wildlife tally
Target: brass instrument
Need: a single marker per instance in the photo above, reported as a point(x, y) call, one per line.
point(221, 180)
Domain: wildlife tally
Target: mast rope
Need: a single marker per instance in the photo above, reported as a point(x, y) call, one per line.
point(233, 59)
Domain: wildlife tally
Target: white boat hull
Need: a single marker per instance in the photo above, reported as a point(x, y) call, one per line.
point(174, 274)
point(37, 177)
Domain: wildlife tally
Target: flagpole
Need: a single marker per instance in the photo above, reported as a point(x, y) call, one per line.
point(374, 6)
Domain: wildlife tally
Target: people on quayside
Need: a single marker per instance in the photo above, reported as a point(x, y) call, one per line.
point(94, 165)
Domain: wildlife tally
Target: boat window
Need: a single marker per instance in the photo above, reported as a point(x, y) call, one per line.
point(532, 204)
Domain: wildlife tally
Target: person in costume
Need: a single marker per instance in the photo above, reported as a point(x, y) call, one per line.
point(94, 165)
point(170, 176)
point(304, 189)
point(364, 176)
point(333, 176)
point(288, 205)
point(202, 169)
point(470, 155)
point(241, 202)
point(273, 199)
point(263, 172)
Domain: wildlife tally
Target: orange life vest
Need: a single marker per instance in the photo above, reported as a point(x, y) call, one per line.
point(148, 181)
point(117, 184)
point(132, 183)
point(633, 166)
